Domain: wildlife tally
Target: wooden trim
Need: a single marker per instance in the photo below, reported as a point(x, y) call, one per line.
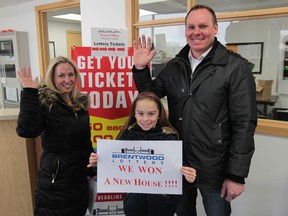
point(42, 29)
point(229, 16)
point(253, 14)
point(58, 5)
point(43, 43)
point(190, 4)
point(272, 127)
point(132, 14)
point(135, 7)
point(161, 22)
point(31, 157)
point(37, 150)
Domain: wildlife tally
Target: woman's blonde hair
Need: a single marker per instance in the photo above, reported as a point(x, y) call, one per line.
point(75, 93)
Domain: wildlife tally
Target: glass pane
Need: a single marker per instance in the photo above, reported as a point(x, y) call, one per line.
point(242, 5)
point(272, 32)
point(10, 70)
point(6, 48)
point(168, 41)
point(161, 9)
point(285, 70)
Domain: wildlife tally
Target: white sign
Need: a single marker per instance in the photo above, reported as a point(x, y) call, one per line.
point(139, 166)
point(11, 94)
point(109, 42)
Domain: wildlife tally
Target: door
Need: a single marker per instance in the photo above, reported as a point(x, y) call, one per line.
point(73, 38)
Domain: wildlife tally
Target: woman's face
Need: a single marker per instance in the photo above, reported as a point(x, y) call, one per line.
point(64, 77)
point(146, 114)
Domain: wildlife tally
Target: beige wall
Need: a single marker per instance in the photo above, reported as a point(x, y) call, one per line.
point(17, 177)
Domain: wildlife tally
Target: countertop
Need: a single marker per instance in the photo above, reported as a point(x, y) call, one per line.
point(9, 114)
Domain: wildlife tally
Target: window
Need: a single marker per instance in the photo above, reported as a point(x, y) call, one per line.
point(240, 21)
point(160, 9)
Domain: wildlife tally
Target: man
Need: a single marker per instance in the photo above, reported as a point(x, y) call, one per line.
point(212, 103)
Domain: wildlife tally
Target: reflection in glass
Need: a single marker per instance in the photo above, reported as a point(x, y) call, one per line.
point(285, 47)
point(168, 41)
point(242, 5)
point(161, 9)
point(273, 32)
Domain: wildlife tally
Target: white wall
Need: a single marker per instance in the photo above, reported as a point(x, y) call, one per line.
point(22, 18)
point(103, 14)
point(266, 187)
point(57, 33)
point(267, 184)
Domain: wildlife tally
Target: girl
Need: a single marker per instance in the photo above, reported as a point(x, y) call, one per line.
point(148, 121)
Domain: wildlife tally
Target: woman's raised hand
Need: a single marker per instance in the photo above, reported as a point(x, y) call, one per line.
point(25, 78)
point(142, 52)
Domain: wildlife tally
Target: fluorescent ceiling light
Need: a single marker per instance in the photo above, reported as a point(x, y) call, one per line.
point(69, 16)
point(146, 12)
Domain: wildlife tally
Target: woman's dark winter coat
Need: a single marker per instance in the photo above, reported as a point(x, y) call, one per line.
point(149, 204)
point(62, 186)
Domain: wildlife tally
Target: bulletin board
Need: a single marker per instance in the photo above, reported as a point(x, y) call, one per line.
point(253, 52)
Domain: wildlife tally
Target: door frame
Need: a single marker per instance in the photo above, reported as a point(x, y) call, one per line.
point(42, 29)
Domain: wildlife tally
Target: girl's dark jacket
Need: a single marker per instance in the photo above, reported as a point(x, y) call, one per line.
point(214, 111)
point(141, 204)
point(62, 186)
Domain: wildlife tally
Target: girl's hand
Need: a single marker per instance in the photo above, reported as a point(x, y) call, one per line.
point(26, 80)
point(93, 160)
point(189, 173)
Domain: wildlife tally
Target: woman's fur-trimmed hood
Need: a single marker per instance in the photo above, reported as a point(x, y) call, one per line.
point(50, 98)
point(47, 97)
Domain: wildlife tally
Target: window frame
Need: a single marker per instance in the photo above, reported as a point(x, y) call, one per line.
point(270, 127)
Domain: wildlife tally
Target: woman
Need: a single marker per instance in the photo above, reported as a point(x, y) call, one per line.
point(58, 112)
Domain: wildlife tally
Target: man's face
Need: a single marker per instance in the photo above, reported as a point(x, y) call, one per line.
point(200, 31)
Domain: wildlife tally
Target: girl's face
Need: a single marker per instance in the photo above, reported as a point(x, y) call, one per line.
point(146, 114)
point(64, 77)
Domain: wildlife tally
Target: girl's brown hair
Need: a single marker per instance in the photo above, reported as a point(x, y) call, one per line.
point(163, 119)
